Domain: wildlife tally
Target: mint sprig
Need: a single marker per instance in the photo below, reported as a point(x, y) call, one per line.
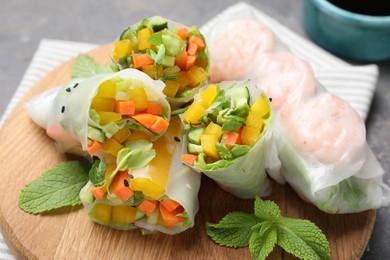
point(57, 187)
point(266, 228)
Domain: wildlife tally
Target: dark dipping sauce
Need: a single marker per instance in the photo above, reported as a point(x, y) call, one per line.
point(367, 7)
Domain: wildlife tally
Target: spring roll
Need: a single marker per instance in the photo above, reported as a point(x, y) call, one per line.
point(147, 187)
point(321, 140)
point(96, 116)
point(166, 50)
point(230, 139)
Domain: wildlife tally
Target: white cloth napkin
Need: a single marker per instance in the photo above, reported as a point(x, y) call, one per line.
point(356, 84)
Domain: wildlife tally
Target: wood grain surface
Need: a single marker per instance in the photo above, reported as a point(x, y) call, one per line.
point(67, 233)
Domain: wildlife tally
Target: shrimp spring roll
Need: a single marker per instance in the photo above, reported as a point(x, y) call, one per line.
point(166, 50)
point(147, 187)
point(321, 140)
point(230, 138)
point(96, 116)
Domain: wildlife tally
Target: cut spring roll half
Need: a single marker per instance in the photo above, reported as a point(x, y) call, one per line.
point(229, 137)
point(147, 187)
point(96, 116)
point(323, 149)
point(166, 50)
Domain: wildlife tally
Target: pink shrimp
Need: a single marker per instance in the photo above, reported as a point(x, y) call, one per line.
point(233, 52)
point(284, 77)
point(327, 128)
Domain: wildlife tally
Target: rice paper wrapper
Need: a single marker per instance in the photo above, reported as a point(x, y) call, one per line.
point(182, 186)
point(64, 111)
point(246, 176)
point(177, 102)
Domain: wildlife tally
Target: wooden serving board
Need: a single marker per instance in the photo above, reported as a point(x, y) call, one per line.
point(26, 152)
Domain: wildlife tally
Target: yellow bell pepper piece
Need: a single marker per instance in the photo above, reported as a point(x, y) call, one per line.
point(138, 135)
point(143, 36)
point(249, 135)
point(122, 135)
point(107, 90)
point(102, 213)
point(103, 104)
point(183, 80)
point(194, 111)
point(123, 214)
point(196, 75)
point(138, 95)
point(151, 71)
point(111, 146)
point(147, 187)
point(208, 145)
point(261, 107)
point(122, 48)
point(213, 129)
point(255, 120)
point(209, 95)
point(108, 117)
point(171, 88)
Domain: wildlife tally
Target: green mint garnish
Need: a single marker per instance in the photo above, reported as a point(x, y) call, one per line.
point(266, 228)
point(84, 66)
point(58, 187)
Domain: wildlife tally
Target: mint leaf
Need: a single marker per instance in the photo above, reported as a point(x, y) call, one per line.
point(263, 240)
point(234, 230)
point(302, 239)
point(58, 187)
point(266, 209)
point(84, 66)
point(97, 172)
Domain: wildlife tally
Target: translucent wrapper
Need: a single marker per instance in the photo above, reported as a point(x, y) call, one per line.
point(234, 50)
point(245, 176)
point(321, 140)
point(65, 112)
point(163, 178)
point(177, 59)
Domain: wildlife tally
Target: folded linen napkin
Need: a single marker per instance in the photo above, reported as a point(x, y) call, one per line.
point(356, 84)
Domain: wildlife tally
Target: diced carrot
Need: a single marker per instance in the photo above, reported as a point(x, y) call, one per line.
point(182, 32)
point(98, 192)
point(146, 120)
point(192, 48)
point(94, 147)
point(189, 158)
point(232, 138)
point(170, 218)
point(190, 62)
point(159, 126)
point(198, 41)
point(169, 205)
point(154, 109)
point(147, 206)
point(121, 185)
point(125, 107)
point(181, 60)
point(141, 60)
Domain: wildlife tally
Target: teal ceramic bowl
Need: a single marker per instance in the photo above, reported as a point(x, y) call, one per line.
point(350, 35)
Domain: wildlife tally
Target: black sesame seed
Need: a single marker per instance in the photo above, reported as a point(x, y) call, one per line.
point(270, 99)
point(131, 176)
point(75, 86)
point(177, 139)
point(126, 183)
point(67, 90)
point(62, 109)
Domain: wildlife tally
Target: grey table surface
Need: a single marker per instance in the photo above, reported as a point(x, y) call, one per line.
point(23, 23)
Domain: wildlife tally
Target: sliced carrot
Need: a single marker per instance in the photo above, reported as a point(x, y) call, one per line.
point(182, 32)
point(192, 48)
point(198, 41)
point(98, 192)
point(232, 138)
point(121, 185)
point(94, 147)
point(141, 60)
point(170, 218)
point(181, 60)
point(169, 205)
point(146, 120)
point(124, 107)
point(159, 126)
point(190, 62)
point(147, 206)
point(154, 109)
point(189, 158)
